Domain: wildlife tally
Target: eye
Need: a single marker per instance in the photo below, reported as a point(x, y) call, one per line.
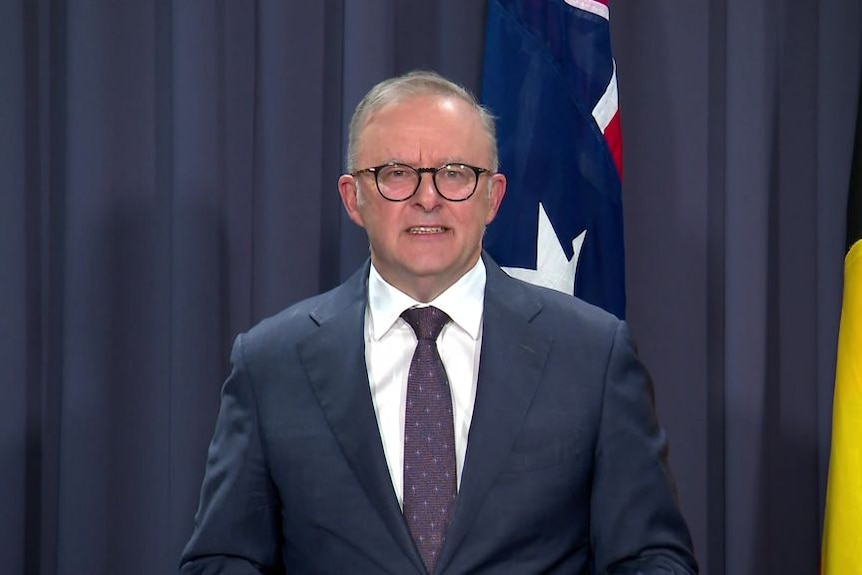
point(396, 172)
point(455, 172)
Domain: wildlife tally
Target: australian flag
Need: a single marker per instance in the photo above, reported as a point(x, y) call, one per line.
point(550, 79)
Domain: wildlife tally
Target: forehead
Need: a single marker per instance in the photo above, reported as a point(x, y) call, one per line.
point(424, 127)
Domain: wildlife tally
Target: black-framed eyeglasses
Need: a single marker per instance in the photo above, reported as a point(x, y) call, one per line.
point(455, 182)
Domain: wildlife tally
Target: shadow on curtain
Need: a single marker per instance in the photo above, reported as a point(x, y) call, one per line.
point(168, 178)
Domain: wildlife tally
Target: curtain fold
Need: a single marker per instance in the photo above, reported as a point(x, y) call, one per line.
point(168, 178)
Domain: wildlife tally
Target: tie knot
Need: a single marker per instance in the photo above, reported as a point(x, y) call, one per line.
point(426, 321)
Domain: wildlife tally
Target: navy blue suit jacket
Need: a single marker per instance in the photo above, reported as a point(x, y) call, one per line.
point(565, 469)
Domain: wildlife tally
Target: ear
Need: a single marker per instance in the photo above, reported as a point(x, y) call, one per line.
point(349, 192)
point(495, 196)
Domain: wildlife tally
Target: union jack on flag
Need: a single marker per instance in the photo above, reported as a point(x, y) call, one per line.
point(550, 79)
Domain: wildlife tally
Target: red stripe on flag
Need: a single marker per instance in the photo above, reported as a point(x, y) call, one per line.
point(614, 139)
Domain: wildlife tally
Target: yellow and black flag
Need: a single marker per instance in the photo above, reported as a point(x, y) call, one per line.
point(842, 529)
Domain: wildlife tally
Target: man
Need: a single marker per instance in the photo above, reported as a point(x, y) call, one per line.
point(537, 448)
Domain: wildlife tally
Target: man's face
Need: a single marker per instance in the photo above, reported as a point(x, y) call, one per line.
point(424, 244)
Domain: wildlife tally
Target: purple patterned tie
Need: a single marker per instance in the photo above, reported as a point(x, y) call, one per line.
point(429, 439)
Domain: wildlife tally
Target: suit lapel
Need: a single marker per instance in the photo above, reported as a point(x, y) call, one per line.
point(334, 360)
point(512, 357)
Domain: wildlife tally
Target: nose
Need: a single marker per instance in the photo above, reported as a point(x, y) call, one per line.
point(427, 196)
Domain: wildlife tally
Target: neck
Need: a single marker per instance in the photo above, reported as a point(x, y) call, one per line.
point(423, 290)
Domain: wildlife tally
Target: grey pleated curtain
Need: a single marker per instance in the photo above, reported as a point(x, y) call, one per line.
point(167, 178)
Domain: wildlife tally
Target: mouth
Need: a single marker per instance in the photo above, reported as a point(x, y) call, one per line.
point(425, 230)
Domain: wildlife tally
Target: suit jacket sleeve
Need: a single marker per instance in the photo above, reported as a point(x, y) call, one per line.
point(636, 525)
point(236, 527)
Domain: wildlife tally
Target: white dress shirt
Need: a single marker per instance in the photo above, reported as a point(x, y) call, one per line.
point(389, 346)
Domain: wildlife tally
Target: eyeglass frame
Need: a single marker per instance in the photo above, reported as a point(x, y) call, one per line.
point(419, 171)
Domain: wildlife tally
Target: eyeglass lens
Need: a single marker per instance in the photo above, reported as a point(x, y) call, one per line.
point(453, 181)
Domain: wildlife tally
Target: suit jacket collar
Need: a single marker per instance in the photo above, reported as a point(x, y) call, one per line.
point(512, 358)
point(334, 360)
point(513, 354)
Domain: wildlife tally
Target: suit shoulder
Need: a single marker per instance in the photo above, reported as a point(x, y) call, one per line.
point(546, 305)
point(297, 320)
point(570, 309)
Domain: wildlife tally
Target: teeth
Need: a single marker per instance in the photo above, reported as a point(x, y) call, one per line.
point(426, 230)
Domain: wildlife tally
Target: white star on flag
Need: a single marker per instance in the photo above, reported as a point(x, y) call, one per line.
point(553, 269)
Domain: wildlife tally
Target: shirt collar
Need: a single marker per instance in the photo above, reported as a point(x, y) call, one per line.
point(462, 301)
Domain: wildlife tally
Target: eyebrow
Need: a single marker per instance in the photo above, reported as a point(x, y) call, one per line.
point(436, 165)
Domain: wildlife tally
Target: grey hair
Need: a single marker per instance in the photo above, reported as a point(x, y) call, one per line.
point(410, 85)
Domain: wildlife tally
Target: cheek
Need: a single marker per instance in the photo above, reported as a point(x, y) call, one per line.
point(380, 222)
point(482, 214)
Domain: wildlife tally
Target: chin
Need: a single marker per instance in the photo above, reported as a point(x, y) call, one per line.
point(425, 264)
